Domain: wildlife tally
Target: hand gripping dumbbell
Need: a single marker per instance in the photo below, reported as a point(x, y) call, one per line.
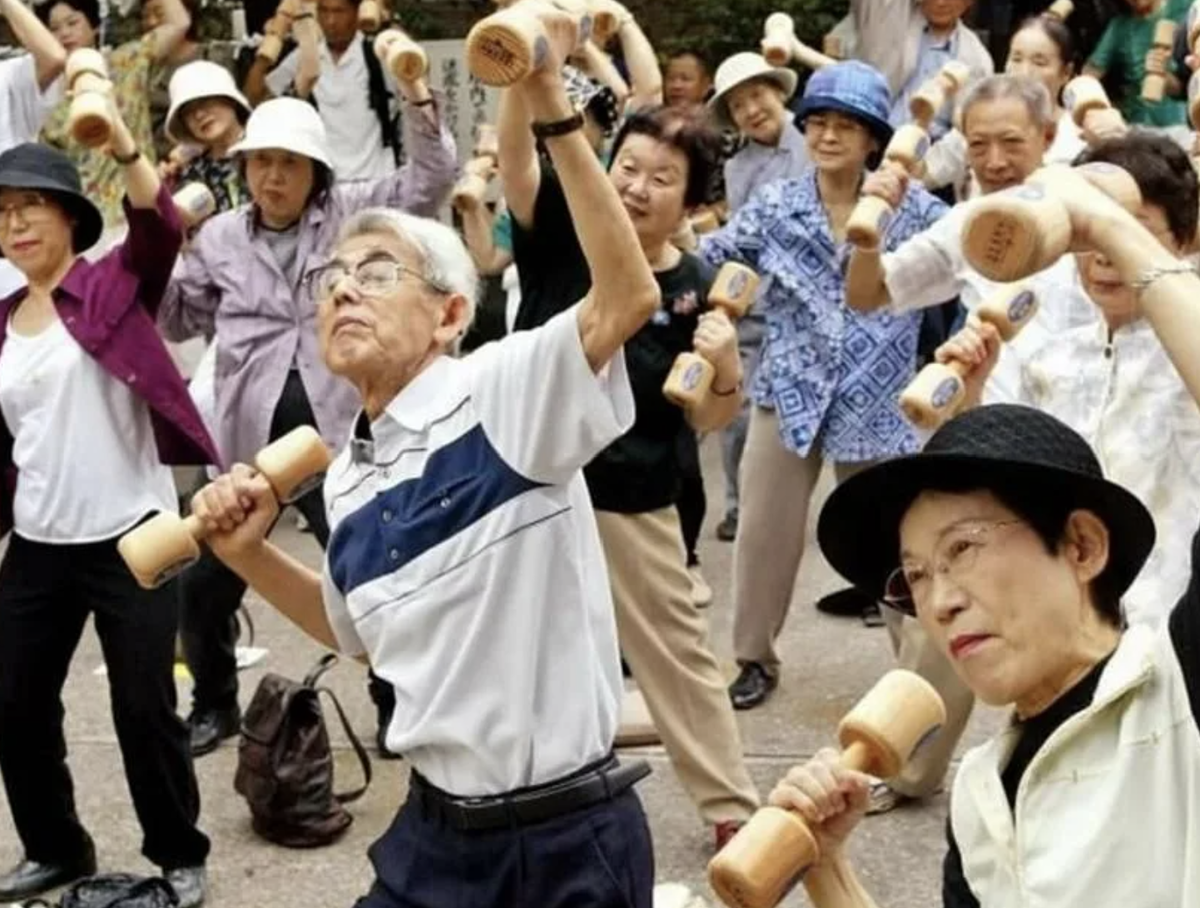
point(933, 95)
point(692, 375)
point(767, 856)
point(1009, 235)
point(903, 156)
point(509, 45)
point(1154, 85)
point(89, 119)
point(274, 32)
point(403, 57)
point(937, 392)
point(195, 203)
point(165, 544)
point(478, 171)
point(780, 45)
point(370, 15)
point(1085, 97)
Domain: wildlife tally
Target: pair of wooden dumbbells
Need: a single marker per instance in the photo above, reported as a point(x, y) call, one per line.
point(165, 544)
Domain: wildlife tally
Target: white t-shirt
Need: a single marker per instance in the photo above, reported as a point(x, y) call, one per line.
point(465, 561)
point(343, 98)
point(83, 443)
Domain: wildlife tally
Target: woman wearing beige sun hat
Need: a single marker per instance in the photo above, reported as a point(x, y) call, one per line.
point(751, 96)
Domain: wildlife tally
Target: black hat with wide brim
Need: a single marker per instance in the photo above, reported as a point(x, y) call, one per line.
point(998, 446)
point(48, 170)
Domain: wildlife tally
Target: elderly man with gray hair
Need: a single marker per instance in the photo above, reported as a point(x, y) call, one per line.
point(464, 562)
point(1009, 123)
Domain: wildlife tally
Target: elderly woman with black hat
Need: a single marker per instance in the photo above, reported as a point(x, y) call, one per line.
point(242, 278)
point(1013, 551)
point(827, 380)
point(93, 411)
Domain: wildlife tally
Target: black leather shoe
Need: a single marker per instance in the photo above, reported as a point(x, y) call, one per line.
point(727, 528)
point(847, 603)
point(30, 879)
point(209, 727)
point(752, 686)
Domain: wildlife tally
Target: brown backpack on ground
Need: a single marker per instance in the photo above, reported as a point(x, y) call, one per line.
point(285, 764)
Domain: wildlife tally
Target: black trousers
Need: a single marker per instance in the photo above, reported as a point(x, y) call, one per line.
point(599, 857)
point(46, 595)
point(692, 502)
point(210, 593)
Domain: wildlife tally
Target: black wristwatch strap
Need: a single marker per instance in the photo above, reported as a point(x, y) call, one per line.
point(558, 127)
point(126, 161)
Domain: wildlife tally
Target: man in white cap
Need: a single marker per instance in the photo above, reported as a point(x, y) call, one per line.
point(243, 278)
point(23, 105)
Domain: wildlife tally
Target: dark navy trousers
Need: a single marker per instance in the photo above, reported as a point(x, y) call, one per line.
point(599, 857)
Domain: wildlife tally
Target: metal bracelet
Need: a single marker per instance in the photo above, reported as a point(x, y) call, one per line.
point(1150, 275)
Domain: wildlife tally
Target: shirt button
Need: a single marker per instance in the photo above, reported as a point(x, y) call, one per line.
point(394, 554)
point(131, 378)
point(445, 502)
point(387, 516)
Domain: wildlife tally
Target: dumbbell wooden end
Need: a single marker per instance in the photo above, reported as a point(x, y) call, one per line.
point(1082, 95)
point(270, 47)
point(195, 203)
point(1007, 239)
point(160, 548)
point(401, 55)
point(369, 16)
point(889, 723)
point(1061, 10)
point(89, 119)
point(688, 381)
point(1009, 311)
point(1154, 85)
point(294, 464)
point(764, 860)
point(506, 47)
point(933, 396)
point(868, 222)
point(605, 24)
point(733, 289)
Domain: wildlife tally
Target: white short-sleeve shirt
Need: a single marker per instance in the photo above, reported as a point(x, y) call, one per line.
point(465, 561)
point(931, 268)
point(343, 99)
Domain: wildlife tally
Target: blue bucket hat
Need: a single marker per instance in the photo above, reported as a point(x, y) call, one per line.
point(852, 88)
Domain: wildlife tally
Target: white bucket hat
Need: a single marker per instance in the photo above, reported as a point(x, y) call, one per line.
point(741, 68)
point(289, 124)
point(197, 80)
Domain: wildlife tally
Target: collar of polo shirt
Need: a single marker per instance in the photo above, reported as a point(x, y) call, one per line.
point(420, 399)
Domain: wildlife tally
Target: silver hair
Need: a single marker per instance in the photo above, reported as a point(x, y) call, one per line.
point(1030, 92)
point(444, 259)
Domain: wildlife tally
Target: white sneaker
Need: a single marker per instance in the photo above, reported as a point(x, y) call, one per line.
point(702, 594)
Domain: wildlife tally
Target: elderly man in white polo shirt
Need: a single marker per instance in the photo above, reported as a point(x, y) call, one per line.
point(24, 80)
point(464, 562)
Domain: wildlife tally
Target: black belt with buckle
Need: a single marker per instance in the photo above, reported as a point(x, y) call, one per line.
point(601, 781)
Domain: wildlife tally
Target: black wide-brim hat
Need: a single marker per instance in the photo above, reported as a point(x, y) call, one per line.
point(34, 166)
point(997, 446)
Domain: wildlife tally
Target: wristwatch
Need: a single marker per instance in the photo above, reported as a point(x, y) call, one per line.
point(558, 128)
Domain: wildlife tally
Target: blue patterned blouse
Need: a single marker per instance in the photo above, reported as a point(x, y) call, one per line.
point(832, 375)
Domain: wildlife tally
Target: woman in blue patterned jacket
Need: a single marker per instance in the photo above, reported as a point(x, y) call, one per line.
point(828, 377)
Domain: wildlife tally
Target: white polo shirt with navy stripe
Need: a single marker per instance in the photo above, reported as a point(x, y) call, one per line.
point(465, 562)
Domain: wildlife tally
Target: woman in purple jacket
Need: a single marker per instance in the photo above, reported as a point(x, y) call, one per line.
point(92, 411)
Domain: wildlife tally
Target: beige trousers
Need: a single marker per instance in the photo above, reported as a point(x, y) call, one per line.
point(926, 771)
point(664, 640)
point(776, 487)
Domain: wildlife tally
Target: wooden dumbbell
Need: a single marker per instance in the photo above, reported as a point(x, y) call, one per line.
point(705, 222)
point(276, 30)
point(937, 392)
point(89, 119)
point(1193, 28)
point(1009, 235)
point(403, 57)
point(370, 16)
point(1194, 100)
point(508, 45)
point(195, 203)
point(1155, 83)
point(165, 544)
point(933, 95)
point(606, 21)
point(903, 156)
point(780, 45)
point(473, 184)
point(487, 143)
point(767, 857)
point(1061, 10)
point(691, 376)
point(1085, 97)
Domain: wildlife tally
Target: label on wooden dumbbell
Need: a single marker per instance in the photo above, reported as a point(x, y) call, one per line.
point(944, 393)
point(737, 284)
point(498, 52)
point(304, 487)
point(692, 375)
point(585, 28)
point(1021, 306)
point(924, 739)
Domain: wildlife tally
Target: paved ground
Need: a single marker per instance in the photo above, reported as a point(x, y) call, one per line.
point(830, 663)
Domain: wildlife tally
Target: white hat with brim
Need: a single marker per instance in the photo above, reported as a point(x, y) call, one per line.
point(194, 82)
point(742, 68)
point(288, 124)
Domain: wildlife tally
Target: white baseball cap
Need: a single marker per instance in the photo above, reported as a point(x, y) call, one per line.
point(288, 124)
point(741, 68)
point(193, 81)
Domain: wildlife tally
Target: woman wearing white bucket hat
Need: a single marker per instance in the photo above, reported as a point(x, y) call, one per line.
point(751, 96)
point(242, 279)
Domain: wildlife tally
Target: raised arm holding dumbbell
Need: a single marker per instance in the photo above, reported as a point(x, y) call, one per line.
point(780, 45)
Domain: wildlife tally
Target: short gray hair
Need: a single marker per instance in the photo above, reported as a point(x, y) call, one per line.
point(444, 259)
point(1030, 92)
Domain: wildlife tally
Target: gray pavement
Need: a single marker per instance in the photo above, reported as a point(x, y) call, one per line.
point(829, 663)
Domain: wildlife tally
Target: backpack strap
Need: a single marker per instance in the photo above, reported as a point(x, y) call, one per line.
point(324, 664)
point(380, 100)
point(363, 759)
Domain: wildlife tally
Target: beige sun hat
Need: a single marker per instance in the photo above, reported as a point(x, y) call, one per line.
point(193, 81)
point(741, 68)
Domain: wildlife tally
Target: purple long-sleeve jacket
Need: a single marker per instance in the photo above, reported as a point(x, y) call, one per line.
point(109, 307)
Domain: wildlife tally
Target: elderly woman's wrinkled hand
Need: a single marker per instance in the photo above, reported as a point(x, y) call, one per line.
point(830, 798)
